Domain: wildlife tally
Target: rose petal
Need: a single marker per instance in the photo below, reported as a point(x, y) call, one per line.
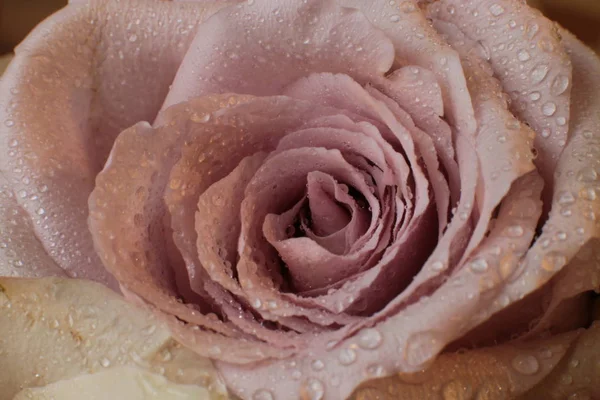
point(21, 253)
point(503, 143)
point(323, 37)
point(71, 327)
point(533, 68)
point(571, 223)
point(121, 382)
point(576, 377)
point(414, 334)
point(423, 47)
point(501, 372)
point(69, 91)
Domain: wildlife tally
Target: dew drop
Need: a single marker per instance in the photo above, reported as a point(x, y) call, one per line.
point(437, 266)
point(561, 235)
point(408, 7)
point(553, 261)
point(256, 303)
point(539, 73)
point(262, 394)
point(588, 194)
point(451, 10)
point(479, 265)
point(9, 123)
point(560, 85)
point(587, 174)
point(375, 371)
point(317, 365)
point(133, 37)
point(532, 29)
point(395, 18)
point(496, 10)
point(314, 389)
point(455, 389)
point(13, 143)
point(40, 211)
point(549, 109)
point(523, 55)
point(515, 231)
point(566, 379)
point(347, 356)
point(369, 339)
point(546, 133)
point(105, 362)
point(535, 96)
point(526, 364)
point(566, 198)
point(200, 118)
point(420, 348)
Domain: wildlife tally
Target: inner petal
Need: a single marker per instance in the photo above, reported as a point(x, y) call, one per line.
point(327, 214)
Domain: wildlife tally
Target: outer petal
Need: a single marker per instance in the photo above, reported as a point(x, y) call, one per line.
point(524, 50)
point(21, 253)
point(501, 373)
point(572, 222)
point(261, 46)
point(71, 88)
point(116, 383)
point(54, 329)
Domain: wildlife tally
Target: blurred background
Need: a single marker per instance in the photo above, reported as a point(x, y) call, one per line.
point(18, 17)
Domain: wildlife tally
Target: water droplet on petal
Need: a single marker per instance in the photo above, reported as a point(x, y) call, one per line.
point(395, 18)
point(317, 365)
point(262, 394)
point(532, 29)
point(369, 339)
point(566, 198)
point(133, 37)
point(526, 364)
point(420, 348)
point(437, 266)
point(496, 10)
point(408, 7)
point(523, 55)
point(535, 96)
point(105, 362)
point(566, 379)
point(549, 109)
point(561, 235)
point(375, 371)
point(479, 265)
point(313, 390)
point(587, 174)
point(553, 261)
point(455, 390)
point(515, 231)
point(200, 118)
point(560, 85)
point(347, 356)
point(9, 122)
point(539, 73)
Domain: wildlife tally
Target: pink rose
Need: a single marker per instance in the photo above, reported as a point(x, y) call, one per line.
point(314, 193)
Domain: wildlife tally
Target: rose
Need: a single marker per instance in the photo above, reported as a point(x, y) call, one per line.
point(371, 152)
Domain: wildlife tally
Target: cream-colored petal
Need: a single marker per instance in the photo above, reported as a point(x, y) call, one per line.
point(118, 383)
point(54, 329)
